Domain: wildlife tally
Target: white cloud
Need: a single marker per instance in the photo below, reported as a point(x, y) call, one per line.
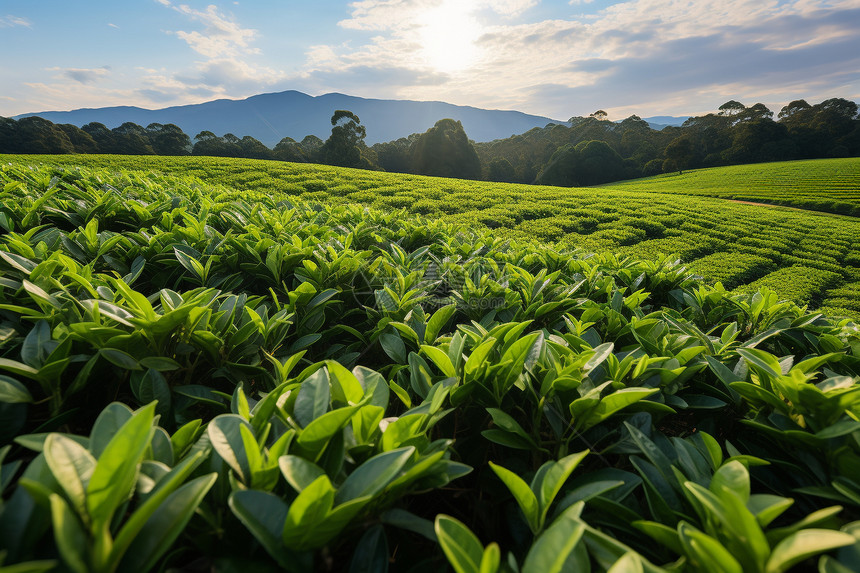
point(640, 56)
point(656, 53)
point(406, 15)
point(508, 7)
point(10, 21)
point(227, 68)
point(222, 36)
point(56, 96)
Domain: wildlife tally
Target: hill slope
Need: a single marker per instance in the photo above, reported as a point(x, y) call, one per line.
point(271, 117)
point(831, 185)
point(811, 258)
point(199, 378)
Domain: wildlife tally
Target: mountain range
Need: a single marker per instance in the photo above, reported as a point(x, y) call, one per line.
point(271, 117)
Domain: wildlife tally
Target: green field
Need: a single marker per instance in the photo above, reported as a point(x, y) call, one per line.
point(811, 258)
point(830, 185)
point(198, 377)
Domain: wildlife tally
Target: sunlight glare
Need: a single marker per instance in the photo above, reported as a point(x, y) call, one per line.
point(448, 36)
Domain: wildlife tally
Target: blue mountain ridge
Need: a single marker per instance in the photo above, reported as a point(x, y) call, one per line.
point(271, 117)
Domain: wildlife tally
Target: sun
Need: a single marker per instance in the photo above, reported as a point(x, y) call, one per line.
point(448, 35)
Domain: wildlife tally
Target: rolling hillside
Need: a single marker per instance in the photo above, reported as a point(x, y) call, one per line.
point(198, 377)
point(811, 258)
point(831, 185)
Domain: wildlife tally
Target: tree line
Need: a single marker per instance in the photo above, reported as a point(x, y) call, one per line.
point(592, 150)
point(586, 151)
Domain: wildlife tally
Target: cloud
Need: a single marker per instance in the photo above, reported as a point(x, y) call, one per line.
point(221, 37)
point(655, 54)
point(509, 8)
point(157, 96)
point(9, 21)
point(56, 96)
point(229, 76)
point(677, 76)
point(83, 75)
point(406, 15)
point(362, 76)
point(227, 67)
point(640, 56)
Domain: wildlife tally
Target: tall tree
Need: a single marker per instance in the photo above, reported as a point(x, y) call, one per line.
point(794, 112)
point(394, 155)
point(81, 140)
point(444, 150)
point(254, 149)
point(37, 135)
point(8, 134)
point(288, 149)
point(731, 108)
point(756, 112)
point(132, 139)
point(168, 139)
point(501, 170)
point(587, 163)
point(103, 136)
point(343, 147)
point(207, 143)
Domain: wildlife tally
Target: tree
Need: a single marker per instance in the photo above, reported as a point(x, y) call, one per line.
point(833, 120)
point(207, 143)
point(653, 167)
point(758, 141)
point(168, 139)
point(839, 106)
point(756, 112)
point(587, 163)
point(80, 139)
point(288, 149)
point(343, 147)
point(131, 139)
point(794, 111)
point(599, 115)
point(599, 163)
point(501, 170)
point(8, 134)
point(103, 136)
point(444, 150)
point(37, 135)
point(254, 149)
point(395, 156)
point(680, 154)
point(312, 147)
point(635, 133)
point(731, 108)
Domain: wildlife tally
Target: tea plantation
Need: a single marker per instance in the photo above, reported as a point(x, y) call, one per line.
point(831, 185)
point(202, 377)
point(812, 258)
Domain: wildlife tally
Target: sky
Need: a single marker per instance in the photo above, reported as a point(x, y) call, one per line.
point(552, 58)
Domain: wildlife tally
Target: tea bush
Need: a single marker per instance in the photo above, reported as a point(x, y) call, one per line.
point(196, 377)
point(687, 215)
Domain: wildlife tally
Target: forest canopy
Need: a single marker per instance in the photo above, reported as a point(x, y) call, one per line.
point(583, 151)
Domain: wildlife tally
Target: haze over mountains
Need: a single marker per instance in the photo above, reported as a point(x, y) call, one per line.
point(271, 117)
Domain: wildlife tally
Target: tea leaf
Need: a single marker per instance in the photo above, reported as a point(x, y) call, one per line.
point(463, 550)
